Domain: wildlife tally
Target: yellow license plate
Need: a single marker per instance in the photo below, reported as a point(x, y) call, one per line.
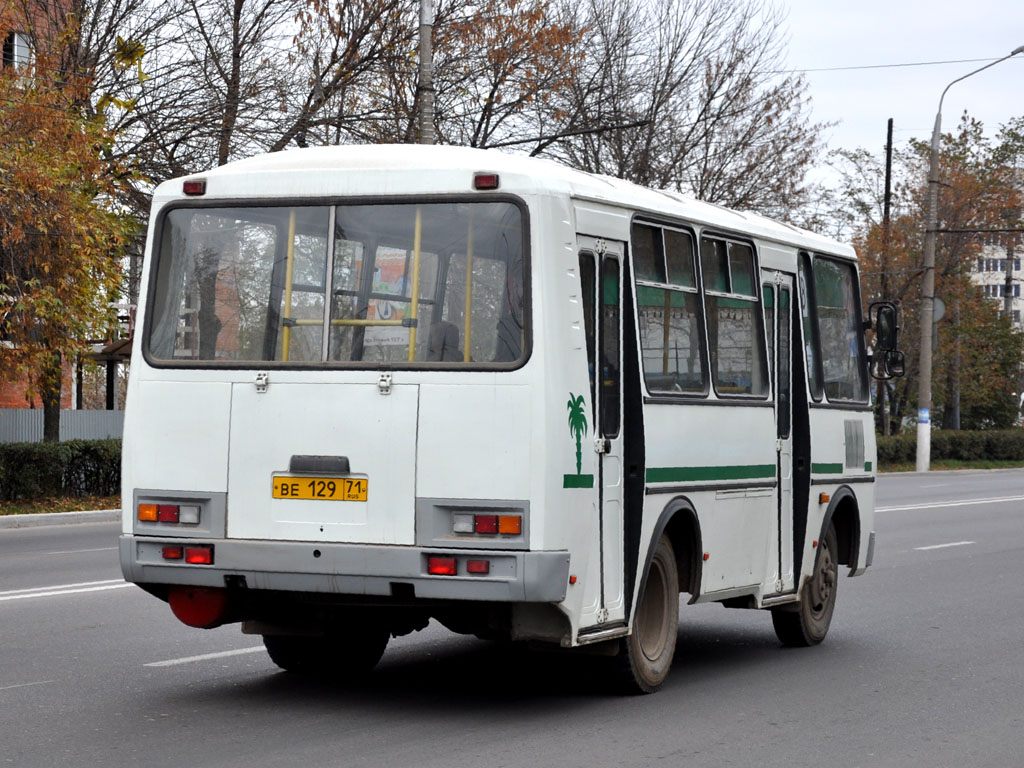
point(321, 488)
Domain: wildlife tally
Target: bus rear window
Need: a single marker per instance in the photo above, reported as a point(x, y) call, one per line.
point(400, 283)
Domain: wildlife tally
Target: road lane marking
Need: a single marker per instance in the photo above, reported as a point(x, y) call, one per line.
point(63, 589)
point(78, 551)
point(965, 503)
point(25, 685)
point(943, 546)
point(204, 657)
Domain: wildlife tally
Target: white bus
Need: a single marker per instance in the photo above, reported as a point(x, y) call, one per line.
point(378, 385)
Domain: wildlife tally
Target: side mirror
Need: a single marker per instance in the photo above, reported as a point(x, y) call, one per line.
point(894, 364)
point(884, 318)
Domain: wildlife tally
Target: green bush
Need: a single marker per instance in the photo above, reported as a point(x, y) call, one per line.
point(958, 445)
point(72, 468)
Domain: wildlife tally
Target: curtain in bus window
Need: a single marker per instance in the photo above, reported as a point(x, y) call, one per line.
point(737, 356)
point(670, 339)
point(735, 337)
point(839, 327)
point(234, 284)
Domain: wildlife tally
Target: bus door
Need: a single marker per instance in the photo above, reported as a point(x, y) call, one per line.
point(601, 272)
point(778, 309)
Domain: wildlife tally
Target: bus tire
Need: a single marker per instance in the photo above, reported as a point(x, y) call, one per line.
point(807, 623)
point(645, 658)
point(342, 656)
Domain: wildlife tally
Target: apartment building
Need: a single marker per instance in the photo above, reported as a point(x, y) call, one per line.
point(998, 272)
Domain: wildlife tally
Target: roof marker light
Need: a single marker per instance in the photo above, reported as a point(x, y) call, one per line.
point(485, 181)
point(194, 187)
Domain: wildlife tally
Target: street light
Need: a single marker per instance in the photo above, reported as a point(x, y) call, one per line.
point(924, 395)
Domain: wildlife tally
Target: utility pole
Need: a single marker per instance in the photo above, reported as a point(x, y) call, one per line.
point(924, 392)
point(426, 72)
point(882, 385)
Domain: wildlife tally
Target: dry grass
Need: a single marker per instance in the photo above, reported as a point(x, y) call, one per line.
point(35, 506)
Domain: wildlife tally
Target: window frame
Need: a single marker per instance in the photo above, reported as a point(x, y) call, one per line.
point(696, 290)
point(757, 300)
point(824, 398)
point(329, 202)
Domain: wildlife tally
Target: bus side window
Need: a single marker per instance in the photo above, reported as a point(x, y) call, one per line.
point(588, 289)
point(810, 328)
point(610, 347)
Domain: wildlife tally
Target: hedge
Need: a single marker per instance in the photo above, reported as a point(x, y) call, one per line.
point(962, 445)
point(72, 468)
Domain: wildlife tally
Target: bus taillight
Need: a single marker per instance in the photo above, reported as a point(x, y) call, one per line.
point(505, 525)
point(441, 566)
point(199, 555)
point(184, 514)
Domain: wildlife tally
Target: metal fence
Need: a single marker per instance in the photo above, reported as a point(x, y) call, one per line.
point(25, 425)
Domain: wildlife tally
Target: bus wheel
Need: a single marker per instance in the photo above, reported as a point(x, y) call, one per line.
point(337, 655)
point(646, 655)
point(807, 623)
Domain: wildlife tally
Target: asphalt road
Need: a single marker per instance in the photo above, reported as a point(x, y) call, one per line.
point(924, 666)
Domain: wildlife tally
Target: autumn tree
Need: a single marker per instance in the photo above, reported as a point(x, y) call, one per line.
point(61, 233)
point(978, 356)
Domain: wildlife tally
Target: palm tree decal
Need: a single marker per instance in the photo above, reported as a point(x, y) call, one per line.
point(577, 426)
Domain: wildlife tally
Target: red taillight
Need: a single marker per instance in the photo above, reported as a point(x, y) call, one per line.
point(478, 566)
point(194, 187)
point(173, 553)
point(441, 566)
point(199, 555)
point(486, 523)
point(167, 513)
point(485, 181)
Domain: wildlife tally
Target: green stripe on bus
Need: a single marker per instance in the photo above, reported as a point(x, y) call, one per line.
point(827, 469)
point(695, 474)
point(867, 466)
point(577, 481)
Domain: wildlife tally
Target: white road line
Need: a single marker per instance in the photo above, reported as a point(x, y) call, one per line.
point(63, 586)
point(943, 546)
point(77, 551)
point(965, 503)
point(66, 589)
point(24, 685)
point(204, 657)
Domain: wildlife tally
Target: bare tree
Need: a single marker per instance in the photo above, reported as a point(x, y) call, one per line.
point(722, 123)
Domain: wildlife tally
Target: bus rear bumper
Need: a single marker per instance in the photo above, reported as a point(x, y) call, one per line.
point(348, 569)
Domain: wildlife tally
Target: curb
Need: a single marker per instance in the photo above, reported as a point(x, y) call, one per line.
point(59, 518)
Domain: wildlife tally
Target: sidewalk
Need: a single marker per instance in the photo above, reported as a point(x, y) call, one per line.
point(59, 518)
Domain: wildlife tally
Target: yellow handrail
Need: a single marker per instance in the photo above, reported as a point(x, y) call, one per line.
point(286, 333)
point(414, 309)
point(302, 322)
point(469, 289)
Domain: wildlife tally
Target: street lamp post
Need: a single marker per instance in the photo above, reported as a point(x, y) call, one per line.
point(924, 394)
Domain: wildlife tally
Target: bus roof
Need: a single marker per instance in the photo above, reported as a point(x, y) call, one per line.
point(415, 169)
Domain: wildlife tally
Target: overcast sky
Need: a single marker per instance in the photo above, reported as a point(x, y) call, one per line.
point(859, 33)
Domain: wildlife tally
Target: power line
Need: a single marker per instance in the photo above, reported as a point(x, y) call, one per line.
point(876, 66)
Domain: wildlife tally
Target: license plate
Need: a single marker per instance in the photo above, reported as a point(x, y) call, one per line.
point(321, 488)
